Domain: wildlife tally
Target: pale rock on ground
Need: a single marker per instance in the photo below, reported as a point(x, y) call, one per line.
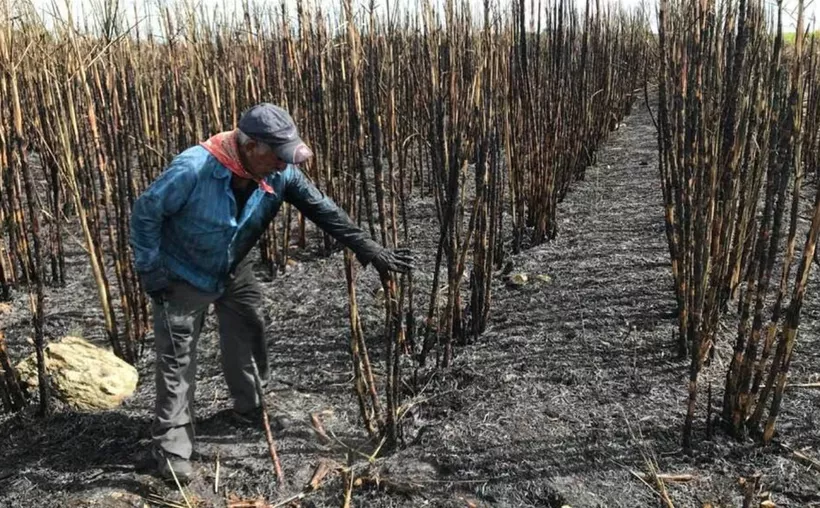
point(84, 376)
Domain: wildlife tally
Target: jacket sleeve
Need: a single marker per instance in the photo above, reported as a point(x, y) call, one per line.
point(326, 214)
point(164, 197)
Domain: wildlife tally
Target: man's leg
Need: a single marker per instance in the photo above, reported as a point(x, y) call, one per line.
point(242, 337)
point(177, 325)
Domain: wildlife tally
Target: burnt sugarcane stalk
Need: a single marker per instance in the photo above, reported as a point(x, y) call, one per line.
point(356, 115)
point(20, 161)
point(14, 398)
point(724, 132)
point(793, 153)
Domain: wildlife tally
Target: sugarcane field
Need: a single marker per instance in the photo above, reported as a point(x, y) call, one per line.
point(409, 253)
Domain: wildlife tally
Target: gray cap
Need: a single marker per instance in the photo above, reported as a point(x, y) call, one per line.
point(273, 126)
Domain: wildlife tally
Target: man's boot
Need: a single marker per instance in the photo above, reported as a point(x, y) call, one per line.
point(168, 465)
point(253, 417)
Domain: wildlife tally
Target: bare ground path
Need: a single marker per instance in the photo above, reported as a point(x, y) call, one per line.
point(567, 367)
point(555, 404)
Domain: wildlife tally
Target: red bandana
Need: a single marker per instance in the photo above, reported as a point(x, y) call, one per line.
point(224, 148)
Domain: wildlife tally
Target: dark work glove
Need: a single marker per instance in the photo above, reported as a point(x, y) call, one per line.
point(156, 284)
point(159, 296)
point(398, 260)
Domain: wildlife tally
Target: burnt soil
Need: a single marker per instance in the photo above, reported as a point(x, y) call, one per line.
point(573, 384)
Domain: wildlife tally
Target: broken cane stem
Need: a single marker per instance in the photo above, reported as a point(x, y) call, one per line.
point(266, 422)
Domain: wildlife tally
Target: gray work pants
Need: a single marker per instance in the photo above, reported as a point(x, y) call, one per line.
point(177, 324)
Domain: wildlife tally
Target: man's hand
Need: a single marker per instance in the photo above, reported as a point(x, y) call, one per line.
point(398, 260)
point(159, 296)
point(156, 285)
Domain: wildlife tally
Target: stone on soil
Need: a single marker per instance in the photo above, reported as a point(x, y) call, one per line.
point(518, 279)
point(83, 375)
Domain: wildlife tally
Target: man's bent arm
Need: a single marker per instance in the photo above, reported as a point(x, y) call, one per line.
point(163, 198)
point(326, 214)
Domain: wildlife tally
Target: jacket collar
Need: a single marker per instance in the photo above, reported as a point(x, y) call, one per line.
point(220, 172)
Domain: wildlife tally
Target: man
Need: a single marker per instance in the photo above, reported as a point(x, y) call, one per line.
point(191, 231)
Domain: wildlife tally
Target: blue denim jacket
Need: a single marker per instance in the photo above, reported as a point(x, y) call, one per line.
point(185, 224)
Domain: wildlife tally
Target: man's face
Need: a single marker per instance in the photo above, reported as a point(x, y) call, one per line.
point(262, 160)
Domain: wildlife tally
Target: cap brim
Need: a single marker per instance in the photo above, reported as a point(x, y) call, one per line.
point(293, 152)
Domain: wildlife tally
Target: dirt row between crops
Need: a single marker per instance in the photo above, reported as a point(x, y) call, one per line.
point(557, 404)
